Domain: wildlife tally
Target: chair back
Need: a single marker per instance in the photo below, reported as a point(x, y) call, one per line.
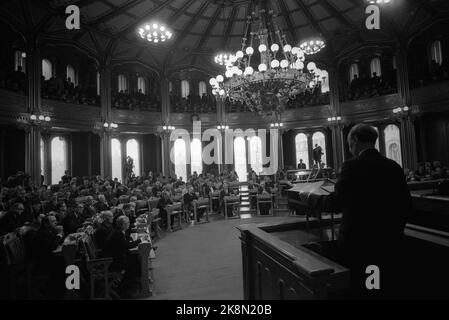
point(141, 206)
point(153, 202)
point(89, 247)
point(215, 195)
point(202, 203)
point(81, 199)
point(176, 207)
point(15, 249)
point(232, 199)
point(123, 199)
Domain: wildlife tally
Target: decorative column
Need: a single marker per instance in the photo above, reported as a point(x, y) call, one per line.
point(165, 136)
point(408, 136)
point(166, 163)
point(221, 120)
point(106, 113)
point(33, 135)
point(336, 128)
point(408, 143)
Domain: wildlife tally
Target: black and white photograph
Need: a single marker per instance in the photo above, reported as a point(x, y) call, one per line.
point(224, 155)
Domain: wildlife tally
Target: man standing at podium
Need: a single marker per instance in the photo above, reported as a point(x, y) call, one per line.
point(373, 196)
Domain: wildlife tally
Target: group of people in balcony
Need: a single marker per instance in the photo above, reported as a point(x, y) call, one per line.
point(428, 171)
point(137, 101)
point(15, 81)
point(193, 103)
point(364, 88)
point(57, 88)
point(436, 72)
point(310, 97)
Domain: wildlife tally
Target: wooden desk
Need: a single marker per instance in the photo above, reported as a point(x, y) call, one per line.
point(201, 203)
point(143, 251)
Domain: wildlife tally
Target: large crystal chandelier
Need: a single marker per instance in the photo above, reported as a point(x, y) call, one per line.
point(266, 80)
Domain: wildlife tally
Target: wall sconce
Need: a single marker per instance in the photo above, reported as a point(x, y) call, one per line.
point(334, 119)
point(110, 125)
point(400, 110)
point(222, 127)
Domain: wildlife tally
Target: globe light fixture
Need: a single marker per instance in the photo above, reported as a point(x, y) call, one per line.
point(155, 32)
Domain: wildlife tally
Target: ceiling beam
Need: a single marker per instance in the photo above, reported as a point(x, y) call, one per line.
point(291, 28)
point(308, 14)
point(188, 27)
point(186, 30)
point(340, 17)
point(115, 12)
point(229, 26)
point(207, 32)
point(27, 14)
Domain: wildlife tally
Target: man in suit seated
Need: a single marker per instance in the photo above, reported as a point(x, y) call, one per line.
point(105, 230)
point(47, 239)
point(301, 165)
point(117, 246)
point(73, 220)
point(374, 198)
point(89, 208)
point(102, 204)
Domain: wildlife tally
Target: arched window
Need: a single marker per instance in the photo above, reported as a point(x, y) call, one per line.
point(255, 153)
point(240, 158)
point(377, 141)
point(70, 73)
point(58, 159)
point(353, 71)
point(376, 67)
point(394, 63)
point(142, 85)
point(116, 159)
point(185, 88)
point(302, 149)
point(202, 89)
point(98, 83)
point(436, 53)
point(132, 150)
point(393, 143)
point(122, 83)
point(170, 86)
point(42, 158)
point(19, 60)
point(180, 159)
point(47, 71)
point(319, 139)
point(324, 81)
point(196, 161)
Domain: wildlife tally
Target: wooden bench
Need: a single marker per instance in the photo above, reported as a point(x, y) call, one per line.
point(142, 206)
point(99, 270)
point(215, 195)
point(174, 209)
point(18, 268)
point(201, 203)
point(265, 199)
point(234, 200)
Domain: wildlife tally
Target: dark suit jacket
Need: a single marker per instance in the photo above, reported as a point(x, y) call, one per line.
point(10, 222)
point(374, 198)
point(100, 206)
point(103, 233)
point(302, 166)
point(117, 247)
point(44, 242)
point(71, 222)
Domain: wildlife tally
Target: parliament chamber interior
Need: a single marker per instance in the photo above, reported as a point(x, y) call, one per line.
point(224, 149)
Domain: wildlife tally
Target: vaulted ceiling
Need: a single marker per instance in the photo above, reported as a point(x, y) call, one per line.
point(202, 27)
